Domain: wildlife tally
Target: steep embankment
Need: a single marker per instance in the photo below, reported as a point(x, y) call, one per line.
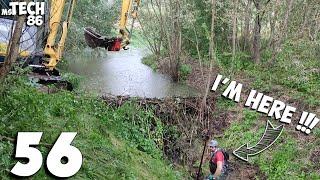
point(246, 126)
point(113, 140)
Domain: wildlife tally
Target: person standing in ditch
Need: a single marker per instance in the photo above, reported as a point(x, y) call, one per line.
point(218, 163)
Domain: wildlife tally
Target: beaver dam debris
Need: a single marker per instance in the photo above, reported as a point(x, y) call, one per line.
point(190, 119)
point(181, 109)
point(187, 115)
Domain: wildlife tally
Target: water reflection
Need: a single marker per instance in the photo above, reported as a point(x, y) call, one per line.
point(122, 73)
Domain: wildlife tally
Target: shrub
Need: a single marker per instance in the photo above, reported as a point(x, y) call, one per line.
point(184, 71)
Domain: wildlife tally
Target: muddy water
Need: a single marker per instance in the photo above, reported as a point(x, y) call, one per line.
point(122, 73)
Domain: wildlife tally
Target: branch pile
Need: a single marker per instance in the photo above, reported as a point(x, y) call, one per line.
point(183, 115)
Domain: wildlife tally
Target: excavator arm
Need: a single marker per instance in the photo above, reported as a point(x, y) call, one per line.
point(129, 8)
point(52, 51)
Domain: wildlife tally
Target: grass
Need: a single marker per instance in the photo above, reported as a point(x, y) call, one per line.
point(116, 143)
point(151, 61)
point(285, 159)
point(184, 71)
point(223, 103)
point(294, 74)
point(295, 71)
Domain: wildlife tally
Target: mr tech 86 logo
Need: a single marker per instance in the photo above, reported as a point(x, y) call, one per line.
point(33, 10)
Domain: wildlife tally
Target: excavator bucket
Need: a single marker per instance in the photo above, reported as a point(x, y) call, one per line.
point(94, 40)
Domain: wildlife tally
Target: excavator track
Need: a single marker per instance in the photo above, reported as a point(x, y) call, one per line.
point(48, 80)
point(40, 74)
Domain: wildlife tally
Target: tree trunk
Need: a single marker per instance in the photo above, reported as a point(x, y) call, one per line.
point(274, 35)
point(313, 26)
point(273, 21)
point(317, 26)
point(212, 58)
point(13, 50)
point(257, 34)
point(212, 35)
point(286, 20)
point(247, 26)
point(175, 40)
point(234, 30)
point(282, 35)
point(198, 50)
point(306, 17)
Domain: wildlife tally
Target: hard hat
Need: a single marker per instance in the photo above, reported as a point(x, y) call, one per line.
point(213, 143)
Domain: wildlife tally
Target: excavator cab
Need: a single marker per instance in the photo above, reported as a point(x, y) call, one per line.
point(28, 41)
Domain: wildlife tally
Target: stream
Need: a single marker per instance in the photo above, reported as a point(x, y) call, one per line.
point(122, 73)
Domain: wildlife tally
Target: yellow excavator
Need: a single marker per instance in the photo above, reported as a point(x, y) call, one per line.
point(6, 26)
point(44, 63)
point(47, 60)
point(54, 51)
point(39, 47)
point(94, 39)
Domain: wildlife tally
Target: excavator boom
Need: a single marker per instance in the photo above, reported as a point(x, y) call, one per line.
point(128, 7)
point(52, 50)
point(44, 64)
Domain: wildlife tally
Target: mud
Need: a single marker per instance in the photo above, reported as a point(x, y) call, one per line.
point(243, 171)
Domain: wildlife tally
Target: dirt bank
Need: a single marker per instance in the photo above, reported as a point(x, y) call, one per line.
point(198, 78)
point(183, 114)
point(222, 118)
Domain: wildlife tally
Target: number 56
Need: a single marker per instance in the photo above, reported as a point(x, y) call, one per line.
point(61, 149)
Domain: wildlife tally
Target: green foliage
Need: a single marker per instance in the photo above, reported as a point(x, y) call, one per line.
point(137, 40)
point(116, 143)
point(282, 159)
point(262, 85)
point(276, 165)
point(184, 71)
point(224, 103)
point(293, 71)
point(200, 27)
point(241, 62)
point(241, 132)
point(91, 13)
point(72, 78)
point(136, 127)
point(151, 61)
point(316, 132)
